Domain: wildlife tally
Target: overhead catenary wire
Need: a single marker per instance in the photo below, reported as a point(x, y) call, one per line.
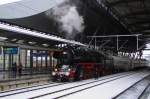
point(110, 36)
point(93, 35)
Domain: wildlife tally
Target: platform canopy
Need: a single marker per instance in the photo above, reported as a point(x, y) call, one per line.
point(133, 14)
point(13, 9)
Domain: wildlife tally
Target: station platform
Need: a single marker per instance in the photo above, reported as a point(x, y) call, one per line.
point(9, 81)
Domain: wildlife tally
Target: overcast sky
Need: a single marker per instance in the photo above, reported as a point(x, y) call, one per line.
point(7, 1)
point(146, 53)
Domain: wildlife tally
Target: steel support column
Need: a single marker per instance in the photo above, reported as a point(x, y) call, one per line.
point(95, 43)
point(117, 43)
point(137, 42)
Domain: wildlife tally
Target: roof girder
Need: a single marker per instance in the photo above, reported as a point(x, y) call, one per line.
point(143, 12)
point(121, 2)
point(140, 29)
point(139, 23)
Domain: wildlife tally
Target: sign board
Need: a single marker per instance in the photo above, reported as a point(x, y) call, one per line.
point(0, 50)
point(10, 50)
point(39, 54)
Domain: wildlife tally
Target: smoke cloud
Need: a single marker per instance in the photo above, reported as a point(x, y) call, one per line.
point(69, 20)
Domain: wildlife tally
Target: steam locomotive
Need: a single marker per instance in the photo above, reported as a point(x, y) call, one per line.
point(77, 63)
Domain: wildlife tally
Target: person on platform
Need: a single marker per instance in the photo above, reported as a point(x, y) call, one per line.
point(20, 69)
point(14, 69)
point(95, 72)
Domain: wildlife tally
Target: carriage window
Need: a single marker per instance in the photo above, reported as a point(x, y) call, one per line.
point(65, 67)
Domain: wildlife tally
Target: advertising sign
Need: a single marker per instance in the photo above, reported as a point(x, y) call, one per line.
point(10, 50)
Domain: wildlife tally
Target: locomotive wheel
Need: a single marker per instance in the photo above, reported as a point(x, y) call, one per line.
point(71, 79)
point(81, 75)
point(54, 79)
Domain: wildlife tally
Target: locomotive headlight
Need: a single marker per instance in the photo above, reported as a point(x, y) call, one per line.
point(69, 69)
point(53, 73)
point(56, 70)
point(67, 73)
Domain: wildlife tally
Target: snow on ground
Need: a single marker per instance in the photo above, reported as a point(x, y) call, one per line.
point(79, 88)
point(34, 93)
point(27, 89)
point(108, 90)
point(105, 91)
point(135, 91)
point(146, 94)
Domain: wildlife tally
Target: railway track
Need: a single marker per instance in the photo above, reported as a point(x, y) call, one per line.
point(31, 89)
point(25, 88)
point(75, 89)
point(142, 94)
point(139, 89)
point(146, 93)
point(61, 90)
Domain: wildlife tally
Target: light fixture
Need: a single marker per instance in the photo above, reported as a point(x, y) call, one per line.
point(13, 40)
point(20, 30)
point(20, 41)
point(46, 45)
point(32, 43)
point(3, 38)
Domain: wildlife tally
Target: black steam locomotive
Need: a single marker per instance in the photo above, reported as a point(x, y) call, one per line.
point(77, 63)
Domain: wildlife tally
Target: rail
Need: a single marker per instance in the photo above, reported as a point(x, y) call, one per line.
point(115, 97)
point(118, 77)
point(18, 91)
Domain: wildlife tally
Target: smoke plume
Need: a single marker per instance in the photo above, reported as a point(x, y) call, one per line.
point(69, 20)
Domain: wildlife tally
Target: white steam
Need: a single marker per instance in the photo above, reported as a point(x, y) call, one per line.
point(72, 21)
point(69, 19)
